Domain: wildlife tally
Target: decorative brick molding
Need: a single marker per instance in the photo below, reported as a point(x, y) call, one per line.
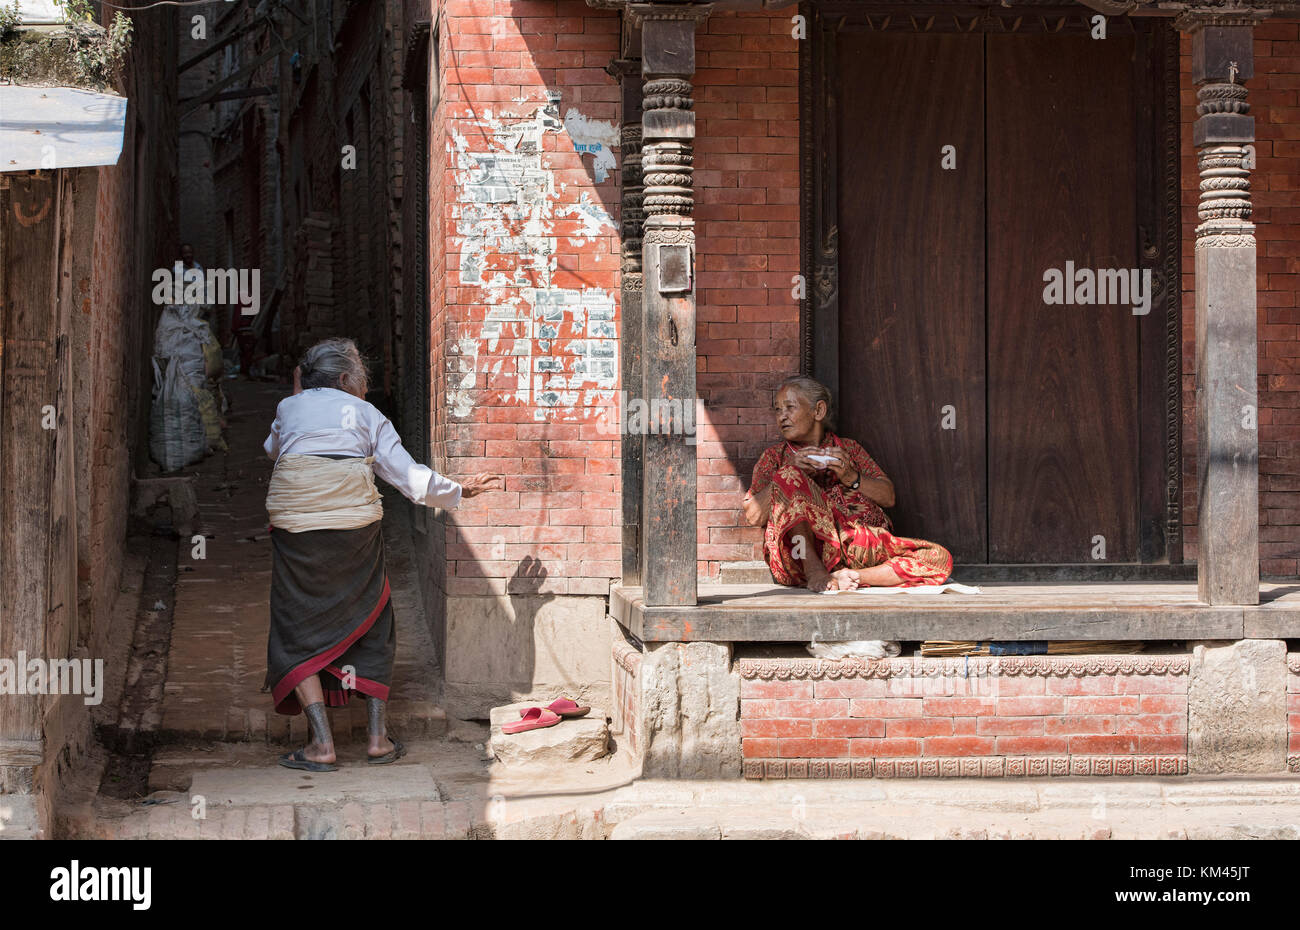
point(626, 681)
point(627, 656)
point(1060, 666)
point(1293, 663)
point(982, 716)
point(948, 767)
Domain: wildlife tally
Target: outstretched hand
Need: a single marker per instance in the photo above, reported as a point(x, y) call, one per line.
point(475, 485)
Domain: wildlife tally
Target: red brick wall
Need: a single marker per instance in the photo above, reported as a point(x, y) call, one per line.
point(984, 716)
point(747, 209)
point(134, 233)
point(1275, 189)
point(431, 546)
point(501, 58)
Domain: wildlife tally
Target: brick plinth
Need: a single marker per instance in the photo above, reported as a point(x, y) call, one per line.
point(1293, 712)
point(982, 716)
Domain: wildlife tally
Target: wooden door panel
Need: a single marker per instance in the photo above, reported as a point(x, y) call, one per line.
point(911, 275)
point(1062, 379)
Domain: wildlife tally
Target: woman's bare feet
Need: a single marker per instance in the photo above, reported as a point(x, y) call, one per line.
point(844, 579)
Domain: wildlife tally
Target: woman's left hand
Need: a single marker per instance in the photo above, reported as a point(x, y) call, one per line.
point(840, 466)
point(474, 485)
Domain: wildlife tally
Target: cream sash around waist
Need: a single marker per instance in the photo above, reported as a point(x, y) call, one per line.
point(308, 492)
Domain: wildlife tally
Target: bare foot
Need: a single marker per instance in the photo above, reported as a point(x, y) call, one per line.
point(818, 579)
point(315, 752)
point(380, 747)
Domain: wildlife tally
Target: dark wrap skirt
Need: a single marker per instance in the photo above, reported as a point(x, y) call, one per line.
point(330, 614)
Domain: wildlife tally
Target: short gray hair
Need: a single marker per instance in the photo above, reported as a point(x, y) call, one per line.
point(812, 391)
point(326, 363)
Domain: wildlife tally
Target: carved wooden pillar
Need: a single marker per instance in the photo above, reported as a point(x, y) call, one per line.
point(668, 340)
point(1227, 564)
point(632, 448)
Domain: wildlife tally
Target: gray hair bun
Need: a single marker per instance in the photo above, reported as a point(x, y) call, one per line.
point(329, 361)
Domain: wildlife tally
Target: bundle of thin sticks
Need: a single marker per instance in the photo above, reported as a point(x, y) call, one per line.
point(1065, 647)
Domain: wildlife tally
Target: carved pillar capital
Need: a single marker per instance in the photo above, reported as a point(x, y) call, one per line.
point(1193, 19)
point(640, 13)
point(1223, 60)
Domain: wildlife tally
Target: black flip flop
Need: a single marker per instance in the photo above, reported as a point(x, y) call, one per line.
point(297, 760)
point(389, 758)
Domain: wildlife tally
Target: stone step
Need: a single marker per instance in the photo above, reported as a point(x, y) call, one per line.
point(408, 719)
point(743, 573)
point(573, 740)
point(877, 822)
point(443, 789)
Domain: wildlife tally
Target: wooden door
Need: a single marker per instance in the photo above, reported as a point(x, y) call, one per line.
point(967, 166)
point(912, 365)
point(1062, 379)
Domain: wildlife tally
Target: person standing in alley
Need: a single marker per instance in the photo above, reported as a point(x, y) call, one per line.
point(332, 628)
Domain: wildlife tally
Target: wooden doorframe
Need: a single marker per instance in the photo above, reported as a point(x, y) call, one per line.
point(1159, 233)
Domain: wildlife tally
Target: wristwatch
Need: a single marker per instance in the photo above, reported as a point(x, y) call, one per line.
point(856, 481)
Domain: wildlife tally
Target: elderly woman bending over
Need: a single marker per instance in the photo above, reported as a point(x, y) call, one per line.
point(332, 630)
point(819, 498)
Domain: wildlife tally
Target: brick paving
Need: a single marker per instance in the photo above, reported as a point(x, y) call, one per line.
point(217, 661)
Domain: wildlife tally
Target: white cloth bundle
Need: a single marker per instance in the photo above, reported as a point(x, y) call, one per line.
point(855, 649)
point(310, 492)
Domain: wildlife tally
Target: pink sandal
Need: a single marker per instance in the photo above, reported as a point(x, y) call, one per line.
point(534, 718)
point(566, 708)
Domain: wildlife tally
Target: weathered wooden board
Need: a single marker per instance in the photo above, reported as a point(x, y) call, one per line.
point(1063, 389)
point(768, 613)
point(911, 317)
point(29, 239)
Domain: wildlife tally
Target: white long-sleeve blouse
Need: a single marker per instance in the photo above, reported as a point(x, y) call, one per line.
point(327, 421)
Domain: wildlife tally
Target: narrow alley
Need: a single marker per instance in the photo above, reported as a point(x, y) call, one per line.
point(214, 736)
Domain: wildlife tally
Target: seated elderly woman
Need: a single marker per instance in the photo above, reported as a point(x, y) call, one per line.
point(820, 496)
point(332, 631)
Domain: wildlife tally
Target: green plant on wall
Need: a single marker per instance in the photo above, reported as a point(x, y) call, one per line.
point(82, 54)
point(10, 19)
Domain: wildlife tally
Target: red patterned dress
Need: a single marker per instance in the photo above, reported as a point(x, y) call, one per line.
point(851, 529)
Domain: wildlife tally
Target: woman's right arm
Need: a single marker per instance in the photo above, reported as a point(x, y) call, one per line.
point(758, 500)
point(272, 444)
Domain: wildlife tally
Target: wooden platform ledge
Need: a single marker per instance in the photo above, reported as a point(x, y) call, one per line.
point(1122, 610)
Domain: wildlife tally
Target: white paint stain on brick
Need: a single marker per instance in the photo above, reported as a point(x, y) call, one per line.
point(462, 365)
point(594, 137)
point(594, 218)
point(538, 345)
